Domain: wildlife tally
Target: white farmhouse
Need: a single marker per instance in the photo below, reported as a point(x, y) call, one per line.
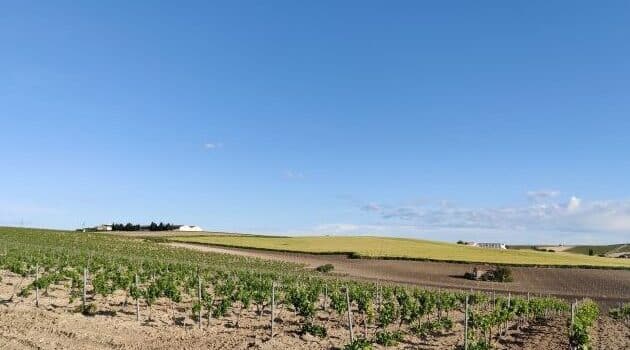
point(104, 228)
point(189, 228)
point(487, 245)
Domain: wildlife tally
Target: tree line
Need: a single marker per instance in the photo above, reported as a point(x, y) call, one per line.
point(151, 227)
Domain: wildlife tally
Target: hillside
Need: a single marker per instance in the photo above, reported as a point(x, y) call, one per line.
point(382, 247)
point(600, 249)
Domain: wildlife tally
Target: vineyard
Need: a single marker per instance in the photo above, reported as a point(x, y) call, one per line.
point(267, 304)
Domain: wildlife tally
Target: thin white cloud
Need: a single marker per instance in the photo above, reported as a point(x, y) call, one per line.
point(542, 195)
point(293, 175)
point(371, 207)
point(572, 215)
point(574, 204)
point(212, 145)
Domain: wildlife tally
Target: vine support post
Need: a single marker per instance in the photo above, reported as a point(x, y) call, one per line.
point(199, 295)
point(273, 306)
point(573, 306)
point(137, 301)
point(85, 277)
point(466, 324)
point(37, 285)
point(378, 295)
point(349, 314)
point(326, 297)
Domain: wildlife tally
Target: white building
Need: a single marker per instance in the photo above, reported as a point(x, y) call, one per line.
point(487, 245)
point(104, 228)
point(189, 228)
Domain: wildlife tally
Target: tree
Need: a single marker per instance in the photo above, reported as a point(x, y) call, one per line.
point(591, 252)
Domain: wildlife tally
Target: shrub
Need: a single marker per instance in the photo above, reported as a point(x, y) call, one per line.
point(502, 274)
point(621, 312)
point(499, 274)
point(316, 330)
point(325, 268)
point(89, 309)
point(359, 344)
point(389, 338)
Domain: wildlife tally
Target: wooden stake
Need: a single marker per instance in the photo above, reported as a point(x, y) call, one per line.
point(466, 325)
point(199, 292)
point(85, 274)
point(137, 301)
point(37, 285)
point(378, 295)
point(349, 315)
point(273, 306)
point(326, 297)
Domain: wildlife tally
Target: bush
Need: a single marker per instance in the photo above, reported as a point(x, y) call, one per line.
point(89, 309)
point(359, 344)
point(469, 275)
point(389, 338)
point(316, 330)
point(475, 345)
point(502, 274)
point(325, 268)
point(621, 312)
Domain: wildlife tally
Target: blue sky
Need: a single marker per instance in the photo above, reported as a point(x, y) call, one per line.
point(487, 120)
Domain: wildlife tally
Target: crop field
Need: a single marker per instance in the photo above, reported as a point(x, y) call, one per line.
point(405, 248)
point(94, 291)
point(600, 249)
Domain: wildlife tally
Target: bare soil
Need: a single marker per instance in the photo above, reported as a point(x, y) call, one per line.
point(609, 287)
point(56, 325)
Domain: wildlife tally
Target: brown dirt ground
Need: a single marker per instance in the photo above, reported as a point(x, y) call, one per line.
point(55, 326)
point(609, 287)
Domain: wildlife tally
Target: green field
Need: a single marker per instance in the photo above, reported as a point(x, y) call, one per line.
point(405, 248)
point(600, 249)
point(579, 249)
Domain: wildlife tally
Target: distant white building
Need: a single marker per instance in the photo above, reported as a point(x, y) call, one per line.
point(487, 245)
point(104, 228)
point(189, 228)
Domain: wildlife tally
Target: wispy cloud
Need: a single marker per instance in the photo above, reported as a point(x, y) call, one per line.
point(212, 145)
point(571, 215)
point(542, 195)
point(293, 175)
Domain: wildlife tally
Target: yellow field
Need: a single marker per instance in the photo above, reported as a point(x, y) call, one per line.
point(405, 248)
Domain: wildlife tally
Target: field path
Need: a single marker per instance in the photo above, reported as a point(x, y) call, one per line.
point(607, 286)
